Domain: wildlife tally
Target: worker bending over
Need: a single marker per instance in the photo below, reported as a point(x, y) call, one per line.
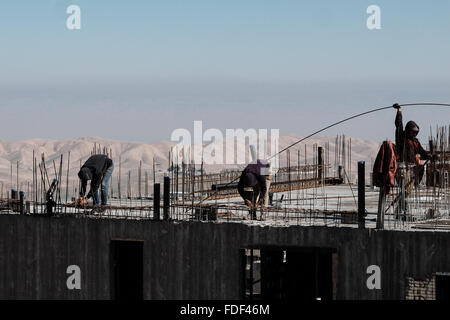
point(254, 185)
point(98, 168)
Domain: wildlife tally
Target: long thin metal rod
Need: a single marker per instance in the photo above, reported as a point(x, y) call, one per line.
point(67, 180)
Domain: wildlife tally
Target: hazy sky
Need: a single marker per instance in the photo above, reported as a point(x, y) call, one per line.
point(137, 70)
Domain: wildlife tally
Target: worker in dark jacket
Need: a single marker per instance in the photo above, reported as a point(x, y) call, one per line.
point(98, 168)
point(408, 146)
point(252, 184)
point(411, 169)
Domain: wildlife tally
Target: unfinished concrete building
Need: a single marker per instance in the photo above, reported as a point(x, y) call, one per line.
point(321, 239)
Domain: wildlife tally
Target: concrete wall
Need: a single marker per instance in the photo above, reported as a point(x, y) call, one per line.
point(195, 260)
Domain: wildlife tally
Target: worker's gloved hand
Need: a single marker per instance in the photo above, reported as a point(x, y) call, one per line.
point(81, 201)
point(396, 106)
point(248, 203)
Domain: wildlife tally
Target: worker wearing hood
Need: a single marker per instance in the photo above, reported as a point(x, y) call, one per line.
point(408, 147)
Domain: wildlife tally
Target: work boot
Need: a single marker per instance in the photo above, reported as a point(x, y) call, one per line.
point(101, 209)
point(98, 209)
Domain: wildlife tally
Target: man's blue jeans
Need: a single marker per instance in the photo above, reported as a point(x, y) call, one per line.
point(104, 187)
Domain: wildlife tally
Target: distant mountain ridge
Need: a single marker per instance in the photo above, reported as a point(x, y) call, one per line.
point(131, 153)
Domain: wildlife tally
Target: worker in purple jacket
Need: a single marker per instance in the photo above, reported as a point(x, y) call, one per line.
point(252, 184)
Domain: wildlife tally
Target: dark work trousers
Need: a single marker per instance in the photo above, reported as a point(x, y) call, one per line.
point(253, 196)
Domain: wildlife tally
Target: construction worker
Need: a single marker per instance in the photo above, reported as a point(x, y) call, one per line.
point(98, 168)
point(253, 186)
point(409, 149)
